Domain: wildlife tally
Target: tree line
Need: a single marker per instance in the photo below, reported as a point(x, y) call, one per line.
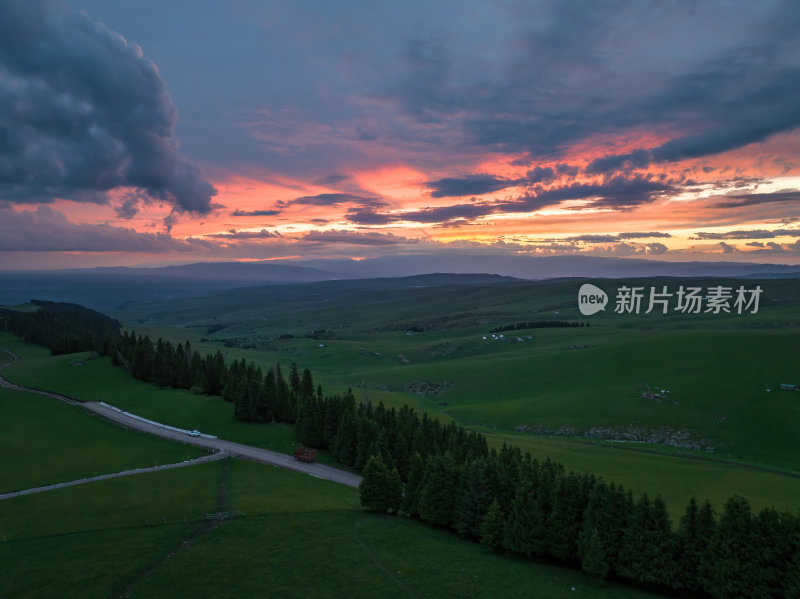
point(62, 328)
point(514, 503)
point(350, 430)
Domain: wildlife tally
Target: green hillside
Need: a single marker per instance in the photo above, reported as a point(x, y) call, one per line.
point(425, 344)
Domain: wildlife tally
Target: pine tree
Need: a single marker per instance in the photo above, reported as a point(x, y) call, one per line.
point(493, 526)
point(344, 443)
point(771, 539)
point(416, 474)
point(693, 539)
point(394, 491)
point(594, 558)
point(564, 526)
point(524, 522)
point(366, 433)
point(232, 388)
point(792, 526)
point(603, 527)
point(161, 365)
point(183, 378)
point(143, 358)
point(198, 375)
point(267, 400)
point(254, 379)
point(437, 499)
point(306, 385)
point(473, 501)
point(285, 398)
point(647, 552)
point(380, 489)
point(731, 551)
point(294, 379)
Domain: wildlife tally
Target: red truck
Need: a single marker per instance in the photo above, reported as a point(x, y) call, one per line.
point(305, 454)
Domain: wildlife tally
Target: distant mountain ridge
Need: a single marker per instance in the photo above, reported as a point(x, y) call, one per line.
point(108, 288)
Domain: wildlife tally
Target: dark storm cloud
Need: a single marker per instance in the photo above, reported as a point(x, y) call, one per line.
point(333, 179)
point(613, 238)
point(334, 199)
point(235, 235)
point(47, 230)
point(366, 216)
point(435, 215)
point(593, 238)
point(541, 175)
point(752, 199)
point(643, 235)
point(468, 185)
point(255, 212)
point(748, 234)
point(637, 159)
point(82, 112)
point(446, 213)
point(618, 193)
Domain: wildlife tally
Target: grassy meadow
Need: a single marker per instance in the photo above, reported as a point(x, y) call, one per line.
point(298, 536)
point(424, 346)
point(674, 477)
point(46, 441)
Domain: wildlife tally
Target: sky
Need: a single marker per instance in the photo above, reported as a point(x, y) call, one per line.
point(138, 132)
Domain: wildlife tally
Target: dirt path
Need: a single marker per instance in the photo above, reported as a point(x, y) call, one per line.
point(231, 448)
point(199, 530)
point(219, 455)
point(384, 569)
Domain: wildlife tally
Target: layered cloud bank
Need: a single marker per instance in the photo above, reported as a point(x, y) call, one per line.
point(625, 128)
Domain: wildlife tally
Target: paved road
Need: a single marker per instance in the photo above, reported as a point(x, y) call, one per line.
point(232, 448)
point(238, 450)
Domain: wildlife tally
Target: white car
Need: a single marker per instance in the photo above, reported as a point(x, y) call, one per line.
point(194, 433)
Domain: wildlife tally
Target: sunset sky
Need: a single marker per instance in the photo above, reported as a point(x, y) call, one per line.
point(149, 132)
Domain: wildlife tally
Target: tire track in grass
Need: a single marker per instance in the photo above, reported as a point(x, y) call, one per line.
point(384, 569)
point(219, 455)
point(222, 505)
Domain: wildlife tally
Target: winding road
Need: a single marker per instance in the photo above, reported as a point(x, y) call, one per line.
point(224, 448)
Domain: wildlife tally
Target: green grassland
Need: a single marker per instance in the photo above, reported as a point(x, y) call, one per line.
point(675, 478)
point(97, 380)
point(51, 442)
point(424, 346)
point(297, 537)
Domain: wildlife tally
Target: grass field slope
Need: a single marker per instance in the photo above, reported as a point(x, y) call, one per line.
point(427, 341)
point(165, 535)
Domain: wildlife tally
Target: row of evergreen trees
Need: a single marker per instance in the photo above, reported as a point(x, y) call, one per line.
point(166, 365)
point(62, 328)
point(350, 430)
point(514, 503)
